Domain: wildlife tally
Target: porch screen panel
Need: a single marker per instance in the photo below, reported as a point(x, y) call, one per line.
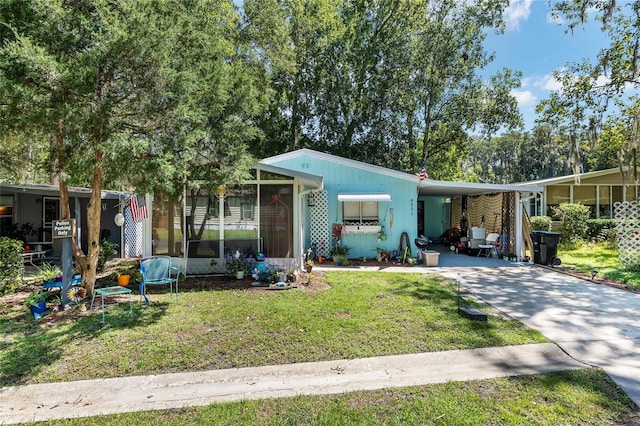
point(276, 219)
point(555, 196)
point(604, 197)
point(586, 194)
point(166, 229)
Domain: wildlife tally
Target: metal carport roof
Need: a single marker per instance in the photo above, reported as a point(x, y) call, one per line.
point(430, 187)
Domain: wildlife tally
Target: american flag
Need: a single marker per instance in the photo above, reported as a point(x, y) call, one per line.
point(138, 208)
point(423, 173)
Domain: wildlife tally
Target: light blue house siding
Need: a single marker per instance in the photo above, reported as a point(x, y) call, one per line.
point(347, 178)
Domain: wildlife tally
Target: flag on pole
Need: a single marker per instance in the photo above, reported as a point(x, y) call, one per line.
point(138, 208)
point(423, 172)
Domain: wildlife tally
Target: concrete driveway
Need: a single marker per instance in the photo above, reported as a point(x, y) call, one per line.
point(596, 324)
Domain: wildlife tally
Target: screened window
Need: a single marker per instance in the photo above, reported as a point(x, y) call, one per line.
point(360, 212)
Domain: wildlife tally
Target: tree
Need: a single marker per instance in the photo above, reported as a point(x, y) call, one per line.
point(387, 82)
point(590, 88)
point(22, 158)
point(138, 93)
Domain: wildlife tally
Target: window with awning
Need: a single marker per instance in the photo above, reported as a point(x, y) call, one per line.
point(362, 209)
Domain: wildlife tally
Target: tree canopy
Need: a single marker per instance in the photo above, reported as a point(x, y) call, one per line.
point(142, 94)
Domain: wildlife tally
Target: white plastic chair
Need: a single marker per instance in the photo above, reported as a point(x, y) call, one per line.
point(489, 245)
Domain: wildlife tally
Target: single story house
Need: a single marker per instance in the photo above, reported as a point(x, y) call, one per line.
point(28, 210)
point(308, 199)
point(598, 190)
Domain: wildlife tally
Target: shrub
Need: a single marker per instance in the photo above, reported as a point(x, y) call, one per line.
point(107, 249)
point(574, 219)
point(541, 223)
point(598, 229)
point(11, 265)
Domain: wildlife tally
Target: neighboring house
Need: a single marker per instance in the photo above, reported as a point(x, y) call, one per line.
point(307, 199)
point(36, 206)
point(598, 190)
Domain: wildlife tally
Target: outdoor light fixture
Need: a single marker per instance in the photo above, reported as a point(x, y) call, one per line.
point(311, 199)
point(119, 219)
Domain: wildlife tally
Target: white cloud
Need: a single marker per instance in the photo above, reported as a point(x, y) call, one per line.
point(518, 10)
point(547, 82)
point(524, 97)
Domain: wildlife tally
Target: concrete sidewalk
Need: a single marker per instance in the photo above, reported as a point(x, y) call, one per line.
point(127, 394)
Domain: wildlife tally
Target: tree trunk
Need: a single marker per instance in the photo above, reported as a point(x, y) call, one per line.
point(87, 264)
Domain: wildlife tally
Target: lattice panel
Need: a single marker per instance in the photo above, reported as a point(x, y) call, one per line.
point(319, 230)
point(508, 229)
point(456, 212)
point(132, 235)
point(627, 217)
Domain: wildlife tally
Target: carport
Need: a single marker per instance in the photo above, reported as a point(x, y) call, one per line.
point(496, 207)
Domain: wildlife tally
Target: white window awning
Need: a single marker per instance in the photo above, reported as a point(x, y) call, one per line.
point(364, 197)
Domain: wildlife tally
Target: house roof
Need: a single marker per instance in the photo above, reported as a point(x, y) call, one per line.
point(426, 187)
point(44, 189)
point(305, 152)
point(570, 178)
point(430, 187)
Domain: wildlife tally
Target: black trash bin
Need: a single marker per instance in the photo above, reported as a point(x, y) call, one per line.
point(545, 247)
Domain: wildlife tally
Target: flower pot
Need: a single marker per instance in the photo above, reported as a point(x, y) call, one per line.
point(123, 280)
point(38, 309)
point(308, 268)
point(240, 275)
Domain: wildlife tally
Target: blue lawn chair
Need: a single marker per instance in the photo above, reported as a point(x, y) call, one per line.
point(157, 270)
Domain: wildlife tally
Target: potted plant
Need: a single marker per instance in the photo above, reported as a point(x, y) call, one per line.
point(308, 260)
point(339, 251)
point(341, 260)
point(308, 265)
point(36, 302)
point(238, 263)
point(49, 273)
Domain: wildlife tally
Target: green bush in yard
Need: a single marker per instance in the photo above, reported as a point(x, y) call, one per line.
point(541, 223)
point(598, 229)
point(11, 265)
point(574, 217)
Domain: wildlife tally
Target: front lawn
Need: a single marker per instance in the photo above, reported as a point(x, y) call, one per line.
point(360, 315)
point(355, 315)
point(602, 259)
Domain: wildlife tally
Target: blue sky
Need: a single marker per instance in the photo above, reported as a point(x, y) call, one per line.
point(537, 46)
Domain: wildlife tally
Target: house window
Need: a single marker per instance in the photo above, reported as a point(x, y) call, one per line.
point(6, 206)
point(246, 210)
point(360, 212)
point(6, 212)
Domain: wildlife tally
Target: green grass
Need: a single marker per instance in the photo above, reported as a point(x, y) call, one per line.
point(360, 315)
point(566, 398)
point(401, 313)
point(601, 258)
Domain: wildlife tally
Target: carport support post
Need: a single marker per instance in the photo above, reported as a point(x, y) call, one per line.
point(518, 230)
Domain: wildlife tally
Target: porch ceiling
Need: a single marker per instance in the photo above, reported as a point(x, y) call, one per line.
point(429, 187)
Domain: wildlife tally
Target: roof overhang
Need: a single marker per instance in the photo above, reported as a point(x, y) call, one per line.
point(306, 178)
point(54, 190)
point(360, 197)
point(429, 187)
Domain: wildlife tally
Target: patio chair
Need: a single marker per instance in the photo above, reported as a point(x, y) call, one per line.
point(489, 245)
point(157, 270)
